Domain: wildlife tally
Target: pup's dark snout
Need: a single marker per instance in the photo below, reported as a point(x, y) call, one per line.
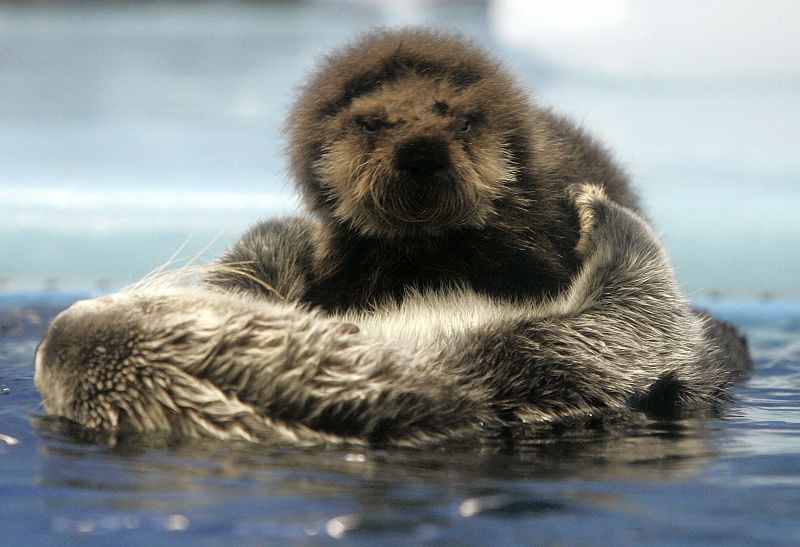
point(423, 156)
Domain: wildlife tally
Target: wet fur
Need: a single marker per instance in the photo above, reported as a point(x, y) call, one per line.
point(450, 365)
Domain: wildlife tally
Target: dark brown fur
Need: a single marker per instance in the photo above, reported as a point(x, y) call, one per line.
point(423, 164)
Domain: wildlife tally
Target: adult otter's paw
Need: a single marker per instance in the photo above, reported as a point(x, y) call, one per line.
point(591, 201)
point(613, 234)
point(584, 195)
point(271, 261)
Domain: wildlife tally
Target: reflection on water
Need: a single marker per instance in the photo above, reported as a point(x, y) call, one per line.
point(735, 479)
point(285, 493)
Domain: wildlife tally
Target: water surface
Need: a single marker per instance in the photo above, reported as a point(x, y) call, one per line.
point(732, 480)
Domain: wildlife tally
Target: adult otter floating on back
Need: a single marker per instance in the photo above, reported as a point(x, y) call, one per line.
point(454, 282)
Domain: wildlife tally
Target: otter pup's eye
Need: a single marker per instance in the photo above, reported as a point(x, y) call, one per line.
point(466, 125)
point(370, 124)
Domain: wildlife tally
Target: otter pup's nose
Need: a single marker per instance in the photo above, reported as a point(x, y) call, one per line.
point(422, 156)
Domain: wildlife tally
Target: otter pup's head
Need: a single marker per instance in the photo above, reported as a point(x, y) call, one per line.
point(407, 133)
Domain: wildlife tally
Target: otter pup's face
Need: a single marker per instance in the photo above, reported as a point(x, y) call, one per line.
point(407, 133)
point(415, 155)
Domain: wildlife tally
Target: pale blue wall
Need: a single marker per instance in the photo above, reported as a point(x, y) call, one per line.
point(126, 130)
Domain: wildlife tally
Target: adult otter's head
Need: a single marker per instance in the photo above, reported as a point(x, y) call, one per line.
point(149, 361)
point(407, 133)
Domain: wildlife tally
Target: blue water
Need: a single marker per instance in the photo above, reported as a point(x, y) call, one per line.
point(732, 480)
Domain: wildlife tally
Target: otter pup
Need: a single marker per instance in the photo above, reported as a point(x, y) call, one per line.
point(424, 165)
point(438, 366)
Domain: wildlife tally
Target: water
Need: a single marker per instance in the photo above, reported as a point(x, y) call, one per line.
point(732, 480)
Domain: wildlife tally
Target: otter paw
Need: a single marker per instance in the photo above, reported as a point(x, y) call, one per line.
point(590, 201)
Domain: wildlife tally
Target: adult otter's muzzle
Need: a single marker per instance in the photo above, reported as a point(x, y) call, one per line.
point(67, 372)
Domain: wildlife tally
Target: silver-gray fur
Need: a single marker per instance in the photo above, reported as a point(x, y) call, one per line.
point(446, 365)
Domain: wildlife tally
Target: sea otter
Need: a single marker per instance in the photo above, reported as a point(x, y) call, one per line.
point(455, 278)
point(423, 164)
point(455, 365)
